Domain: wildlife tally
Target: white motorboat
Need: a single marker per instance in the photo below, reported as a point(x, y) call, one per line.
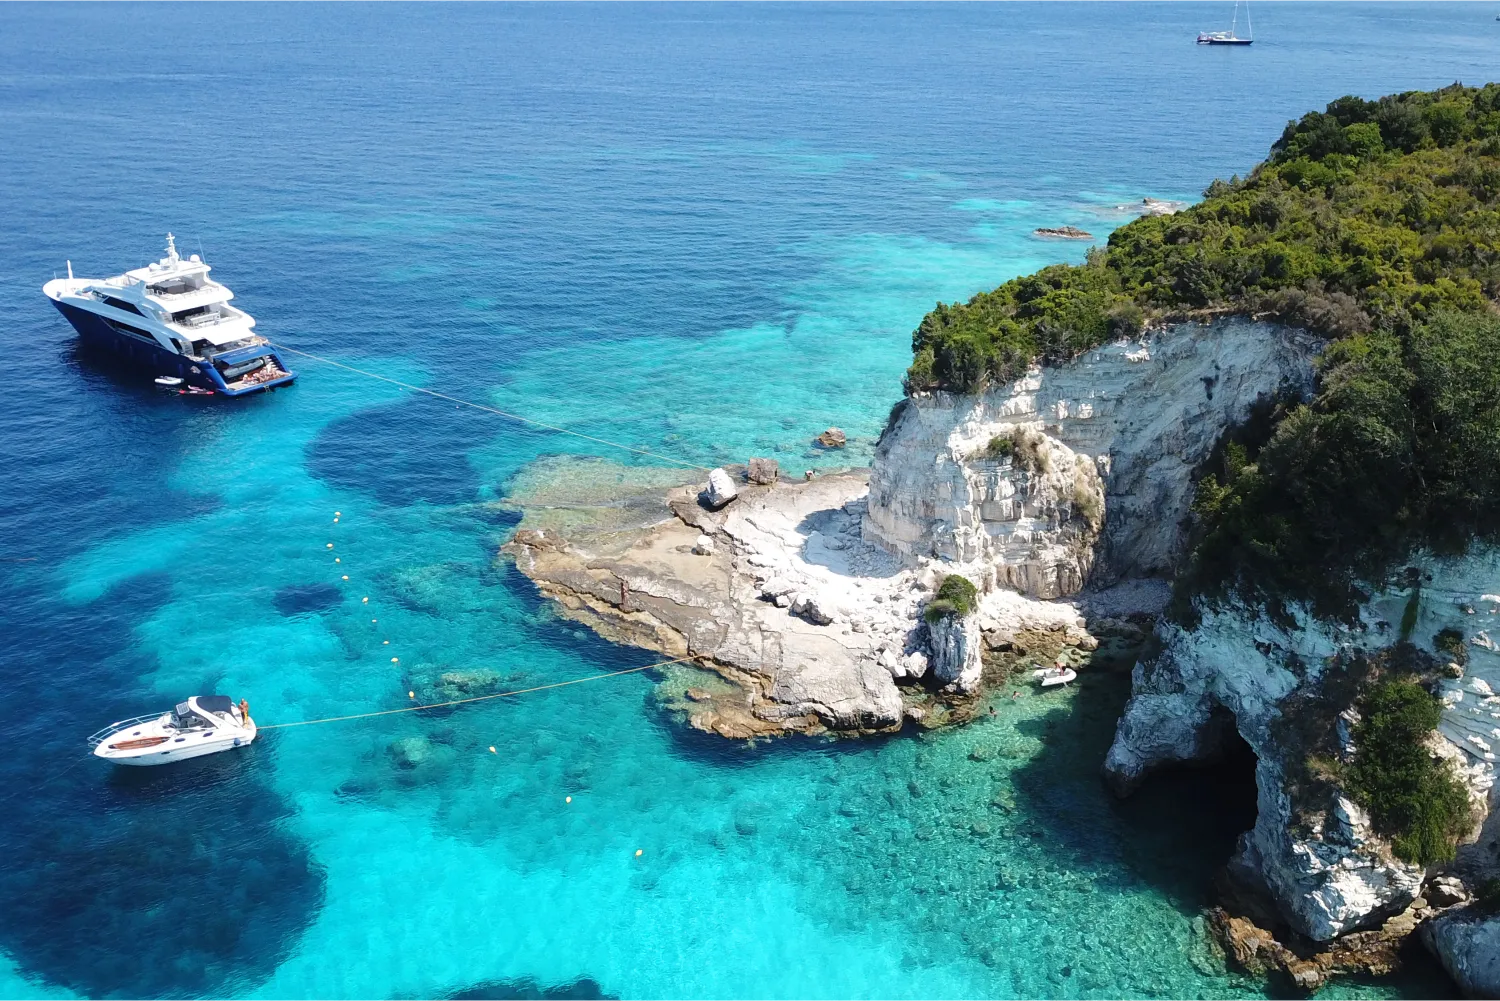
point(204, 724)
point(1050, 676)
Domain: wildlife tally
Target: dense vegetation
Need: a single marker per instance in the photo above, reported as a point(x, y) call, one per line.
point(957, 595)
point(1375, 224)
point(1399, 447)
point(1413, 797)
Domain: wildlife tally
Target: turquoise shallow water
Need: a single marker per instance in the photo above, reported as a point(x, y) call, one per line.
point(706, 232)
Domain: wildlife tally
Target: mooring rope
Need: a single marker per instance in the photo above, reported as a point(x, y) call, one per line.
point(476, 698)
point(487, 409)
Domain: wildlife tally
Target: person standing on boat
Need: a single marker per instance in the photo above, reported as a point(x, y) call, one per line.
point(244, 712)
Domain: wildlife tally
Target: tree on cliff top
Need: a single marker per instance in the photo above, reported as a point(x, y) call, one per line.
point(1368, 215)
point(1375, 224)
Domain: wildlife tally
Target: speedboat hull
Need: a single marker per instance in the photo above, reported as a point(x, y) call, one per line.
point(200, 726)
point(174, 749)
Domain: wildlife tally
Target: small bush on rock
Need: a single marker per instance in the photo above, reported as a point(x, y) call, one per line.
point(1001, 447)
point(939, 609)
point(1451, 642)
point(957, 595)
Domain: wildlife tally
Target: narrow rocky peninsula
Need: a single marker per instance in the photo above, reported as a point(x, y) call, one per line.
point(809, 597)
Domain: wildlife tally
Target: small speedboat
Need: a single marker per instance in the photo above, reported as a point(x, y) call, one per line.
point(1050, 676)
point(204, 724)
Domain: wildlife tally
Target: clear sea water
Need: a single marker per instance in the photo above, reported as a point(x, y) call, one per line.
point(704, 231)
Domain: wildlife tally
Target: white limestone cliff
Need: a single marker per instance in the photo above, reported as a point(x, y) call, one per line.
point(1130, 420)
point(1237, 667)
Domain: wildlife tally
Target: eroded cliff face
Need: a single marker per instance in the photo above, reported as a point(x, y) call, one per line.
point(1114, 435)
point(1326, 870)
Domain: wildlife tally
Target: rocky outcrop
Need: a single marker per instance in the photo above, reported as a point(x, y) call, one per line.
point(1255, 950)
point(1104, 489)
point(1467, 942)
point(1328, 873)
point(956, 644)
point(776, 592)
point(1062, 233)
point(763, 472)
point(720, 490)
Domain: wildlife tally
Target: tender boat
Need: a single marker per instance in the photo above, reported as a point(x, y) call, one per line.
point(173, 320)
point(204, 724)
point(1229, 37)
point(1050, 676)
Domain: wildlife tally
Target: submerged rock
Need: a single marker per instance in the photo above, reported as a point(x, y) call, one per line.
point(1063, 233)
point(833, 438)
point(409, 752)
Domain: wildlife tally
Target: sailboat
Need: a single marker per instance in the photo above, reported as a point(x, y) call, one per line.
point(1229, 37)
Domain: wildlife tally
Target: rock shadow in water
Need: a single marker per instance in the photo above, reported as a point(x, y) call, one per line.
point(305, 599)
point(404, 453)
point(528, 989)
point(179, 880)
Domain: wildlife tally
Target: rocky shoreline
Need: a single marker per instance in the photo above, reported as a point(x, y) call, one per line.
point(1064, 499)
point(813, 628)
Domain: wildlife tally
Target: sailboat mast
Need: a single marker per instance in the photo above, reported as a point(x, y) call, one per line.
point(1235, 22)
point(1249, 28)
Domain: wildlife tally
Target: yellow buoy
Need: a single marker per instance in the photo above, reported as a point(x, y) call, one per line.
point(386, 642)
point(346, 576)
point(330, 545)
point(373, 621)
point(335, 521)
point(365, 600)
point(567, 799)
point(395, 660)
point(637, 853)
point(337, 560)
point(411, 695)
point(337, 514)
point(492, 748)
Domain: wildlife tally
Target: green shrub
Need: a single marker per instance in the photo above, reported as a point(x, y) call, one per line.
point(1087, 503)
point(1487, 897)
point(1400, 448)
point(939, 609)
point(1414, 799)
point(1001, 447)
point(957, 595)
point(1451, 642)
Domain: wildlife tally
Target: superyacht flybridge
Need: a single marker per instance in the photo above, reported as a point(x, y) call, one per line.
point(172, 319)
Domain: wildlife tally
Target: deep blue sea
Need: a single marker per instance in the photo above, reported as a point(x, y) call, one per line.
point(705, 231)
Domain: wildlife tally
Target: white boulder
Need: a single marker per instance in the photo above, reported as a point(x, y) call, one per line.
point(721, 489)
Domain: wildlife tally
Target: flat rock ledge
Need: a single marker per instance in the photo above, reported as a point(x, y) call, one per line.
point(815, 629)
